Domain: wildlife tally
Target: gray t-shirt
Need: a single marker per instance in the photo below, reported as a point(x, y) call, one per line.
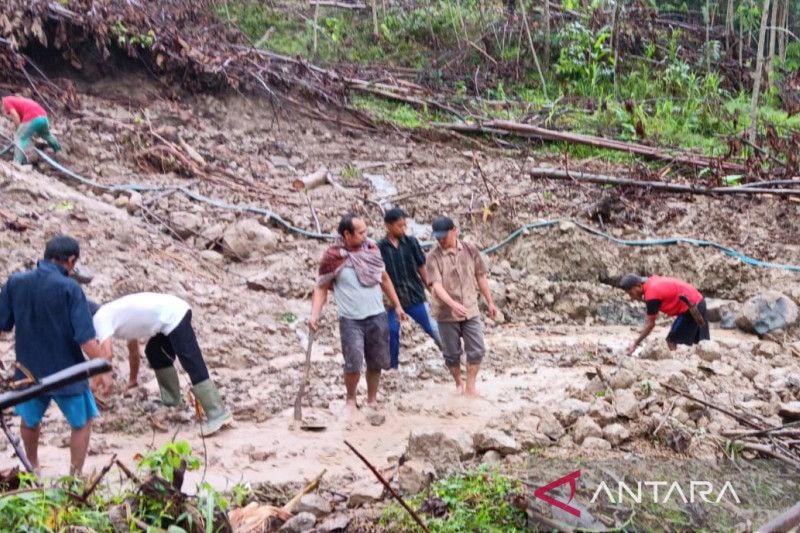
point(354, 300)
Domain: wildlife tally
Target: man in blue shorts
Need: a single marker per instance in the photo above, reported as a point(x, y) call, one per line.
point(53, 329)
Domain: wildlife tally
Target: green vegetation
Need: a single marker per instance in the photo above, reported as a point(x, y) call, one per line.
point(156, 503)
point(660, 90)
point(478, 500)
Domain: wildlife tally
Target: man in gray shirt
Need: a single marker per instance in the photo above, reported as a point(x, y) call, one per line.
point(354, 269)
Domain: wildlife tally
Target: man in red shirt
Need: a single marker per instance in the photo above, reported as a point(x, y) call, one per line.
point(669, 296)
point(30, 119)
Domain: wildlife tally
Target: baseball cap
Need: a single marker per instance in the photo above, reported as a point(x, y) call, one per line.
point(441, 226)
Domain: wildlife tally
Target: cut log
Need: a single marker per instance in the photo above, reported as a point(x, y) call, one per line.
point(650, 152)
point(316, 179)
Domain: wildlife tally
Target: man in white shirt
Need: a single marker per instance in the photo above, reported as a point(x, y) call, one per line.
point(164, 322)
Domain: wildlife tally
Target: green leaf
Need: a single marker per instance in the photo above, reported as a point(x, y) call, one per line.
point(733, 179)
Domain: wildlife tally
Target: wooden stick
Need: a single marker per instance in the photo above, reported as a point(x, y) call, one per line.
point(768, 450)
point(298, 401)
point(778, 430)
point(343, 5)
point(386, 484)
point(312, 486)
point(99, 478)
point(603, 179)
point(784, 521)
point(712, 406)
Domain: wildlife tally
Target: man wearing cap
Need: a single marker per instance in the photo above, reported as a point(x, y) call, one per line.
point(457, 273)
point(354, 269)
point(672, 297)
point(53, 329)
point(30, 119)
point(405, 264)
point(164, 322)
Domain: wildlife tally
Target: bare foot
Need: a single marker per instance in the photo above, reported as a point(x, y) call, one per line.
point(473, 393)
point(131, 385)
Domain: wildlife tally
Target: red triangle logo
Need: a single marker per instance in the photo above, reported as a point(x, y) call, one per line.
point(541, 493)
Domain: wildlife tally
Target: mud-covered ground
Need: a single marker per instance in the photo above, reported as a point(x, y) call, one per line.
point(562, 319)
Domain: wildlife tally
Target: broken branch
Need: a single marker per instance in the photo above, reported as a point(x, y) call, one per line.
point(386, 484)
point(603, 179)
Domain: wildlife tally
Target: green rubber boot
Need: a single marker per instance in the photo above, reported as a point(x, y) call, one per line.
point(217, 415)
point(169, 385)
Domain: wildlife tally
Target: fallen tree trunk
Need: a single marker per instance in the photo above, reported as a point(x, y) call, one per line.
point(311, 181)
point(575, 175)
point(784, 521)
point(536, 132)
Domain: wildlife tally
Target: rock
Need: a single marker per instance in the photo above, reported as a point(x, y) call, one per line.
point(121, 201)
point(616, 434)
point(334, 524)
point(258, 456)
point(548, 425)
point(367, 492)
point(247, 238)
point(414, 475)
point(596, 443)
point(134, 203)
point(492, 457)
point(585, 427)
point(299, 523)
point(708, 351)
point(789, 411)
point(766, 312)
point(491, 439)
point(499, 292)
point(626, 404)
point(602, 412)
point(314, 504)
point(212, 257)
point(571, 410)
point(375, 418)
point(442, 451)
point(621, 379)
point(186, 224)
point(767, 349)
point(655, 349)
point(715, 308)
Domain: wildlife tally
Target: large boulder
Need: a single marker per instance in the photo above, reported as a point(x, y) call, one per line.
point(247, 238)
point(414, 475)
point(570, 410)
point(626, 404)
point(766, 312)
point(616, 434)
point(366, 492)
point(315, 504)
point(490, 439)
point(709, 351)
point(585, 427)
point(444, 452)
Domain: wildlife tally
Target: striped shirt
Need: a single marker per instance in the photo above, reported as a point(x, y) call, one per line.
point(402, 264)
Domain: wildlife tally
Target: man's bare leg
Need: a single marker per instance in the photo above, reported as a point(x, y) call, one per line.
point(30, 439)
point(351, 384)
point(472, 376)
point(373, 382)
point(78, 446)
point(456, 373)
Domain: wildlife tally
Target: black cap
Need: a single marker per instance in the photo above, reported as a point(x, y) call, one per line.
point(441, 226)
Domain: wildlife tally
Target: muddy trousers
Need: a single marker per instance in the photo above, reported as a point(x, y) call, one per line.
point(161, 351)
point(38, 127)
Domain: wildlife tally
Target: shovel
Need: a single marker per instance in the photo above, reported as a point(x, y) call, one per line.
point(298, 401)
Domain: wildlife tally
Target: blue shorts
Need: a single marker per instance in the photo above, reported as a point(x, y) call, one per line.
point(78, 409)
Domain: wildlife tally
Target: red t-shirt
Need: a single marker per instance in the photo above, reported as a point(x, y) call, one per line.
point(26, 109)
point(663, 294)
